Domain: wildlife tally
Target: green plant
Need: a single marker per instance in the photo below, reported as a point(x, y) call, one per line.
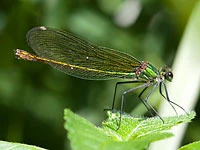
point(134, 133)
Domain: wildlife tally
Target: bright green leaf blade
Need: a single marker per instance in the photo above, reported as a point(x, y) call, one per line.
point(134, 128)
point(17, 146)
point(82, 134)
point(137, 144)
point(191, 146)
point(134, 133)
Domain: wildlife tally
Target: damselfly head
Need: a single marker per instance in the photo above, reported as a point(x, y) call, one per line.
point(167, 73)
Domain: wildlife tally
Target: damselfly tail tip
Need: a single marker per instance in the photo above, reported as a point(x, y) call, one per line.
point(17, 53)
point(21, 54)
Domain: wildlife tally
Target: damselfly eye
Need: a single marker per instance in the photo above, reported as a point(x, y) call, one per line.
point(169, 76)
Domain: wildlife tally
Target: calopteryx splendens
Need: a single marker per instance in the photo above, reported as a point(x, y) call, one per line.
point(82, 59)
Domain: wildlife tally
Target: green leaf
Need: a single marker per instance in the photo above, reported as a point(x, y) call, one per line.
point(82, 134)
point(17, 146)
point(134, 133)
point(133, 128)
point(191, 146)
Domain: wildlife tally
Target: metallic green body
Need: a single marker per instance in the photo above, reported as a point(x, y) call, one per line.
point(149, 73)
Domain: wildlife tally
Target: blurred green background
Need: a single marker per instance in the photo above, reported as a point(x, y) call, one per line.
point(33, 95)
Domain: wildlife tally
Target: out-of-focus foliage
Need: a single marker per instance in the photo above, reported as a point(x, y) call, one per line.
point(14, 146)
point(194, 145)
point(33, 96)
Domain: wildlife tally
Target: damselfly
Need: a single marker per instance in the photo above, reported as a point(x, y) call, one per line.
point(82, 59)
